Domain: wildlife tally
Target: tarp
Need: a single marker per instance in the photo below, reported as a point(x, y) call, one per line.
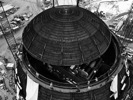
point(114, 86)
point(67, 2)
point(6, 8)
point(114, 8)
point(31, 89)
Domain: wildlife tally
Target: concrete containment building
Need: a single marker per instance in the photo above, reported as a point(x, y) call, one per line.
point(72, 55)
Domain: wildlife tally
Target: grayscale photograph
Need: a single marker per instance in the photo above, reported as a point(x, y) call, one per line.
point(66, 50)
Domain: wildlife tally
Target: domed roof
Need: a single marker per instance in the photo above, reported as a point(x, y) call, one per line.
point(66, 35)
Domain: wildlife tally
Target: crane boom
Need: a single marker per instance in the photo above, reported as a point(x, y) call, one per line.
point(8, 34)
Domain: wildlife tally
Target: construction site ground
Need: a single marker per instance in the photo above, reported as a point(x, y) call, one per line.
point(8, 92)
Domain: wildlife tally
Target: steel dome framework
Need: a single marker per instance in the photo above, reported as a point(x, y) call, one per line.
point(66, 36)
point(66, 50)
